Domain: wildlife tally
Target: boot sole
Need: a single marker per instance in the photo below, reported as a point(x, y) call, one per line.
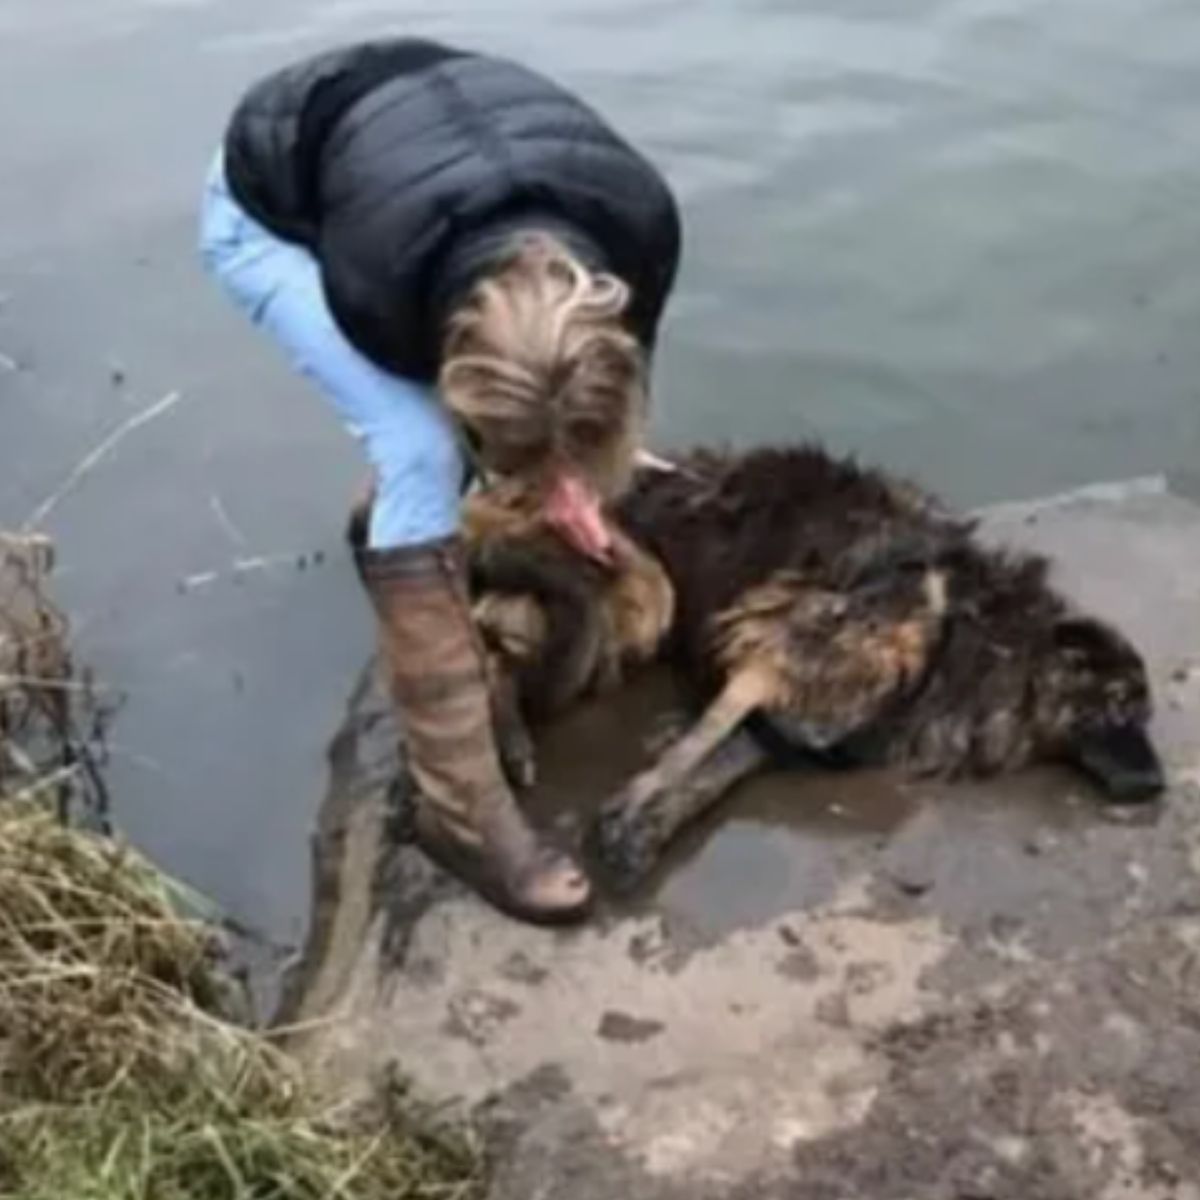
point(466, 866)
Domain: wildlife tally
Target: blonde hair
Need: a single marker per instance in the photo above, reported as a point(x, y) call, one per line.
point(539, 366)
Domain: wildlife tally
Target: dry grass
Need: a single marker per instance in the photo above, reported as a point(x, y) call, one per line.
point(120, 1076)
point(35, 671)
point(120, 1080)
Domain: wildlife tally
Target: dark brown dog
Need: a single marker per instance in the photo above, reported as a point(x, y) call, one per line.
point(822, 611)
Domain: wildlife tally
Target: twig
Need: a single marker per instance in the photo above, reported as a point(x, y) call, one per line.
point(114, 750)
point(53, 780)
point(89, 461)
point(19, 759)
point(226, 522)
point(40, 684)
point(78, 753)
point(241, 567)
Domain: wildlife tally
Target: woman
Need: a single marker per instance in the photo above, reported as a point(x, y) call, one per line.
point(449, 243)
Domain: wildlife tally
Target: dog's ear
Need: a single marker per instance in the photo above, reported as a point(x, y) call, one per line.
point(1078, 632)
point(1089, 646)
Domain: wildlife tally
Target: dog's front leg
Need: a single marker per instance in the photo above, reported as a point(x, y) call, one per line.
point(514, 743)
point(637, 824)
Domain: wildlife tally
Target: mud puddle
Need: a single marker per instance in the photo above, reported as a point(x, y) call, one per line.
point(789, 839)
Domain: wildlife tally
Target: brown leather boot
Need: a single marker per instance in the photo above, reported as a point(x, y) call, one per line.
point(467, 819)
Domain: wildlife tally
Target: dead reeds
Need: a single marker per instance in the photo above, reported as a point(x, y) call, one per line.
point(121, 1076)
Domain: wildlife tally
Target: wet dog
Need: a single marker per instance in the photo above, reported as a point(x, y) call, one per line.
point(822, 612)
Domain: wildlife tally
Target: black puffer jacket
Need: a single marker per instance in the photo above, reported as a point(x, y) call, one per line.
point(406, 166)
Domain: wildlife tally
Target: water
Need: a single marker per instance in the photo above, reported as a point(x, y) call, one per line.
point(956, 236)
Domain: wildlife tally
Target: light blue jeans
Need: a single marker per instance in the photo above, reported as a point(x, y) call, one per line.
point(408, 437)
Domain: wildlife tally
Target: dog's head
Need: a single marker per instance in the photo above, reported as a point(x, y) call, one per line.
point(1092, 707)
point(560, 622)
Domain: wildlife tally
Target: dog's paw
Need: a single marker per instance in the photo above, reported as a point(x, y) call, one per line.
point(514, 742)
point(627, 843)
point(518, 756)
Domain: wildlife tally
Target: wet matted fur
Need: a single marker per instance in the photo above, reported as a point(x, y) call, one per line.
point(828, 611)
point(556, 625)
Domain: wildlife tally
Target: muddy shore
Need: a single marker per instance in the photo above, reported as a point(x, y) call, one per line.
point(842, 987)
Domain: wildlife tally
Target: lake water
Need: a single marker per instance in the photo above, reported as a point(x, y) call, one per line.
point(959, 237)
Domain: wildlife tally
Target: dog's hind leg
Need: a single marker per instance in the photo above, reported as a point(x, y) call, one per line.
point(636, 825)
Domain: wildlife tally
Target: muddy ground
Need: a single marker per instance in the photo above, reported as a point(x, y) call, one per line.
point(845, 987)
